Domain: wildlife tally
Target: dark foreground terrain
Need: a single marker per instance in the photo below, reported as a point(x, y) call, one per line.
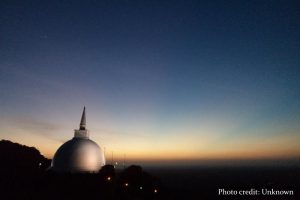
point(205, 182)
point(24, 175)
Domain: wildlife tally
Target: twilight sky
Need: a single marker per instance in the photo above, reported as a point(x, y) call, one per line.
point(161, 80)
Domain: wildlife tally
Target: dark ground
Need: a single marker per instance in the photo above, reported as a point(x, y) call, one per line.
point(204, 182)
point(23, 175)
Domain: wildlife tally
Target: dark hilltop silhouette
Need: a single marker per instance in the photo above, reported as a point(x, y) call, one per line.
point(25, 175)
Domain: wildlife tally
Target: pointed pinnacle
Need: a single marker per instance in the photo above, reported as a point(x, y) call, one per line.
point(83, 120)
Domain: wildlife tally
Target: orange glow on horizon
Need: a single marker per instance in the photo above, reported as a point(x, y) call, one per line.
point(181, 145)
point(260, 153)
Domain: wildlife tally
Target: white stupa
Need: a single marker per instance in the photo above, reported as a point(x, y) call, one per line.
point(80, 154)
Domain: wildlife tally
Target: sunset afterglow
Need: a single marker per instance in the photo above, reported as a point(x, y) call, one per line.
point(162, 82)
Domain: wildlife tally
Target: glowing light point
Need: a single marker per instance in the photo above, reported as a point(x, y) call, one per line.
point(141, 188)
point(109, 178)
point(126, 184)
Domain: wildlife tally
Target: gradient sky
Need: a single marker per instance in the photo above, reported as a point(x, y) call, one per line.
point(161, 80)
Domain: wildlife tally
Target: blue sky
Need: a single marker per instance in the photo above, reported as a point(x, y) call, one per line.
point(206, 76)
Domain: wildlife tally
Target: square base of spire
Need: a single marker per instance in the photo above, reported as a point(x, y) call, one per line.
point(81, 134)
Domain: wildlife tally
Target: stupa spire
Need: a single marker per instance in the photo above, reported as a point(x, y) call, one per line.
point(82, 132)
point(83, 120)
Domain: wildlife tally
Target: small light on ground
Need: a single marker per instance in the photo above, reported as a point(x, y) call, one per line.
point(126, 184)
point(141, 188)
point(155, 190)
point(109, 178)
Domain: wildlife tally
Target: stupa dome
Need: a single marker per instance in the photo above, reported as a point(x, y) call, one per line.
point(80, 154)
